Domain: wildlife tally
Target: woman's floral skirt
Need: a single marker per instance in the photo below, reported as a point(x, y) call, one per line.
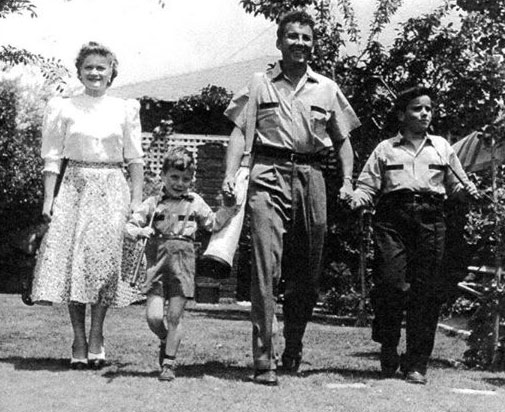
point(79, 259)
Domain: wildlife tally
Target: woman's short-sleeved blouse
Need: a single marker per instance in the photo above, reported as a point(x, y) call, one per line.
point(91, 129)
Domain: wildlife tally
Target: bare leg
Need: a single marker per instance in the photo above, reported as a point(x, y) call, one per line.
point(77, 313)
point(176, 307)
point(98, 313)
point(155, 314)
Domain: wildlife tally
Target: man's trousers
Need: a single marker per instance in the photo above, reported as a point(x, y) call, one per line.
point(287, 204)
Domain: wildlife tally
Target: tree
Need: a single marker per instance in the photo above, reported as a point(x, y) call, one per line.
point(461, 60)
point(52, 69)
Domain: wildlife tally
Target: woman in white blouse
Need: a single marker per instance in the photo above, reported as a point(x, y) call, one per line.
point(79, 261)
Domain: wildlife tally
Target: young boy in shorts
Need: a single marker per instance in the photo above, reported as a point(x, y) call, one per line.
point(170, 254)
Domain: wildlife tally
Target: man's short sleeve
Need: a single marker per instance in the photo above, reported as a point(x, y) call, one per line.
point(343, 120)
point(237, 109)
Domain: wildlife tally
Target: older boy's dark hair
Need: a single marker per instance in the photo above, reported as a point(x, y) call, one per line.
point(405, 96)
point(179, 158)
point(297, 16)
point(96, 48)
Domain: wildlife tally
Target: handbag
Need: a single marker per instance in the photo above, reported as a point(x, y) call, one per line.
point(223, 243)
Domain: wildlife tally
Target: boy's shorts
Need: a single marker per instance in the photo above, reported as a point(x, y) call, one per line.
point(170, 268)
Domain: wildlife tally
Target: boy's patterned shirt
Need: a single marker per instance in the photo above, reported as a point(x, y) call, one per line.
point(170, 215)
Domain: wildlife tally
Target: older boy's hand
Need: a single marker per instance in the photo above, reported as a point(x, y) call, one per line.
point(473, 192)
point(145, 232)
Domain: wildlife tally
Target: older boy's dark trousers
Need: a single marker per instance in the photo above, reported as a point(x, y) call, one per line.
point(409, 238)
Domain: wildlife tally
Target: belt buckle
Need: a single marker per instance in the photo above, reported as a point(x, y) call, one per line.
point(292, 157)
point(416, 197)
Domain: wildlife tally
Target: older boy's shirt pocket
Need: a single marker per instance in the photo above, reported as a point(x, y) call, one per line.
point(318, 120)
point(436, 174)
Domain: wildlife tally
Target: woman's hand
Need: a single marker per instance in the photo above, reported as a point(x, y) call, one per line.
point(47, 209)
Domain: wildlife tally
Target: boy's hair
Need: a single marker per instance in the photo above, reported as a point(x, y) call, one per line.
point(297, 16)
point(99, 49)
point(179, 158)
point(404, 97)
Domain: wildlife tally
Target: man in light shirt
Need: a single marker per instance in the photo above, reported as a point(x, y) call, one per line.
point(300, 115)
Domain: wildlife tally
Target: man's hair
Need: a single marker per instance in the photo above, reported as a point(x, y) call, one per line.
point(297, 16)
point(404, 97)
point(99, 49)
point(178, 158)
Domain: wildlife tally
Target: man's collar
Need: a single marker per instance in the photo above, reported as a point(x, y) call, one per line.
point(275, 73)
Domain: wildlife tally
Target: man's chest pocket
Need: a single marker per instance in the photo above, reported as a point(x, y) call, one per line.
point(268, 115)
point(318, 120)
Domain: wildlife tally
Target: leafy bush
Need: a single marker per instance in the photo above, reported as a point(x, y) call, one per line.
point(20, 163)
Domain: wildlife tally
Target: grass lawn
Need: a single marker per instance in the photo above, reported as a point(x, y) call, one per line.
point(339, 371)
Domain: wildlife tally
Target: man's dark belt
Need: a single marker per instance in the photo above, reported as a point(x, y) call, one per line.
point(289, 155)
point(174, 237)
point(407, 196)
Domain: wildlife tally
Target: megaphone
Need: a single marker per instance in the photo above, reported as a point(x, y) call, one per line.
point(223, 243)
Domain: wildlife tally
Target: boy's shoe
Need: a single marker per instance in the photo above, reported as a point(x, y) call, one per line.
point(266, 377)
point(167, 373)
point(416, 378)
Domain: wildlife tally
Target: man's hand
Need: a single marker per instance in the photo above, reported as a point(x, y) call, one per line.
point(228, 186)
point(346, 192)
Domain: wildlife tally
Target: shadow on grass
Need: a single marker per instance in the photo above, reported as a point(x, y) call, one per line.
point(495, 381)
point(223, 313)
point(216, 369)
point(58, 365)
point(230, 314)
point(437, 363)
point(365, 355)
point(37, 364)
point(348, 373)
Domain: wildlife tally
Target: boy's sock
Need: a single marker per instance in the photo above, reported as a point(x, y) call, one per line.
point(169, 360)
point(162, 348)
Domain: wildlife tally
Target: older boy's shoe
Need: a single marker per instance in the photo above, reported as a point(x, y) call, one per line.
point(167, 373)
point(416, 377)
point(266, 377)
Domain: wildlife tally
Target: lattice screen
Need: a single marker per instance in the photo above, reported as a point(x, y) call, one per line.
point(155, 152)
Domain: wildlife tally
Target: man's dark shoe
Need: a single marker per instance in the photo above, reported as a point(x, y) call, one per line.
point(266, 377)
point(390, 361)
point(416, 377)
point(290, 364)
